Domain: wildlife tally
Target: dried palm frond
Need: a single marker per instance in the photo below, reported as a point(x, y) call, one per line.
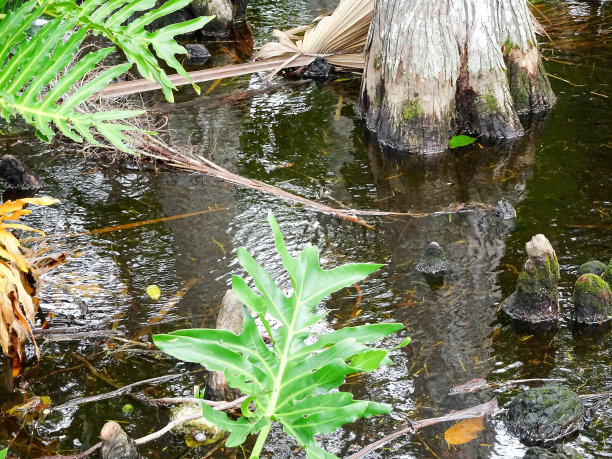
point(340, 38)
point(17, 302)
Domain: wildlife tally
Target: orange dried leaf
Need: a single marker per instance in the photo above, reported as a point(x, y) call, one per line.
point(464, 431)
point(10, 206)
point(15, 215)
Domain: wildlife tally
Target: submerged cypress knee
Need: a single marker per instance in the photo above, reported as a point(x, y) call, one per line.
point(592, 300)
point(434, 260)
point(536, 299)
point(116, 444)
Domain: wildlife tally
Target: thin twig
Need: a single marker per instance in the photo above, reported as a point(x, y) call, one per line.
point(473, 412)
point(86, 453)
point(171, 425)
point(217, 446)
point(217, 405)
point(589, 397)
point(80, 335)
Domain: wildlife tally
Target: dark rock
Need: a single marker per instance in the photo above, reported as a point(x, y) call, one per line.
point(545, 414)
point(197, 53)
point(592, 267)
point(607, 275)
point(434, 261)
point(504, 210)
point(557, 452)
point(536, 299)
point(592, 299)
point(318, 69)
point(116, 444)
point(17, 174)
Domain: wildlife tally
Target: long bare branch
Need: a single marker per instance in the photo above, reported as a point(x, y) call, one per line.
point(477, 411)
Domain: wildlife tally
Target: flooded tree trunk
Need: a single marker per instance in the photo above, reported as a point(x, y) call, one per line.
point(226, 12)
point(440, 67)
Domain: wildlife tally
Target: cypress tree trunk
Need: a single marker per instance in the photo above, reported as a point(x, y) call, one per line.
point(438, 67)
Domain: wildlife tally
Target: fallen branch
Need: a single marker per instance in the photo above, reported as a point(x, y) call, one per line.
point(171, 425)
point(119, 392)
point(217, 405)
point(475, 385)
point(182, 160)
point(135, 86)
point(80, 335)
point(477, 411)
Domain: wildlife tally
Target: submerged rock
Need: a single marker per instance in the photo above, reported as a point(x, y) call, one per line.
point(116, 444)
point(505, 210)
point(592, 267)
point(434, 261)
point(536, 299)
point(607, 275)
point(545, 414)
point(592, 299)
point(18, 175)
point(318, 69)
point(557, 452)
point(197, 53)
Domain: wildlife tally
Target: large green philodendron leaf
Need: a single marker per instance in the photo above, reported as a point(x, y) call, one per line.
point(108, 18)
point(29, 67)
point(289, 381)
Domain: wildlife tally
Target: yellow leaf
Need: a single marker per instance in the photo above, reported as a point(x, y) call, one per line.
point(464, 431)
point(5, 340)
point(44, 201)
point(154, 292)
point(21, 227)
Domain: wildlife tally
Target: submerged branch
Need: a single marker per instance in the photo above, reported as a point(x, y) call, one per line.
point(119, 392)
point(475, 385)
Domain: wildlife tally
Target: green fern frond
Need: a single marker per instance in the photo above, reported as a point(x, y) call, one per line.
point(30, 67)
point(108, 18)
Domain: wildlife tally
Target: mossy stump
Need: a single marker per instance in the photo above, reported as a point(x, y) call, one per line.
point(536, 300)
point(545, 415)
point(558, 452)
point(592, 300)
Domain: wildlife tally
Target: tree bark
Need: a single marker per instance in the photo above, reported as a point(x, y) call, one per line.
point(435, 68)
point(227, 13)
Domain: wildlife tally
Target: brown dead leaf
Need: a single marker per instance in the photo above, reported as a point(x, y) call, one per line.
point(464, 431)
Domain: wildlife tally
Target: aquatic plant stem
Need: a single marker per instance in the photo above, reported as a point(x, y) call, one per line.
point(261, 439)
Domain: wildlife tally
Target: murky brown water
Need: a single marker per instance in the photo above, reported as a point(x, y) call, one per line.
point(559, 177)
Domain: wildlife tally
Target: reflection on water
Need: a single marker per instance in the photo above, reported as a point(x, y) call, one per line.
point(309, 141)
